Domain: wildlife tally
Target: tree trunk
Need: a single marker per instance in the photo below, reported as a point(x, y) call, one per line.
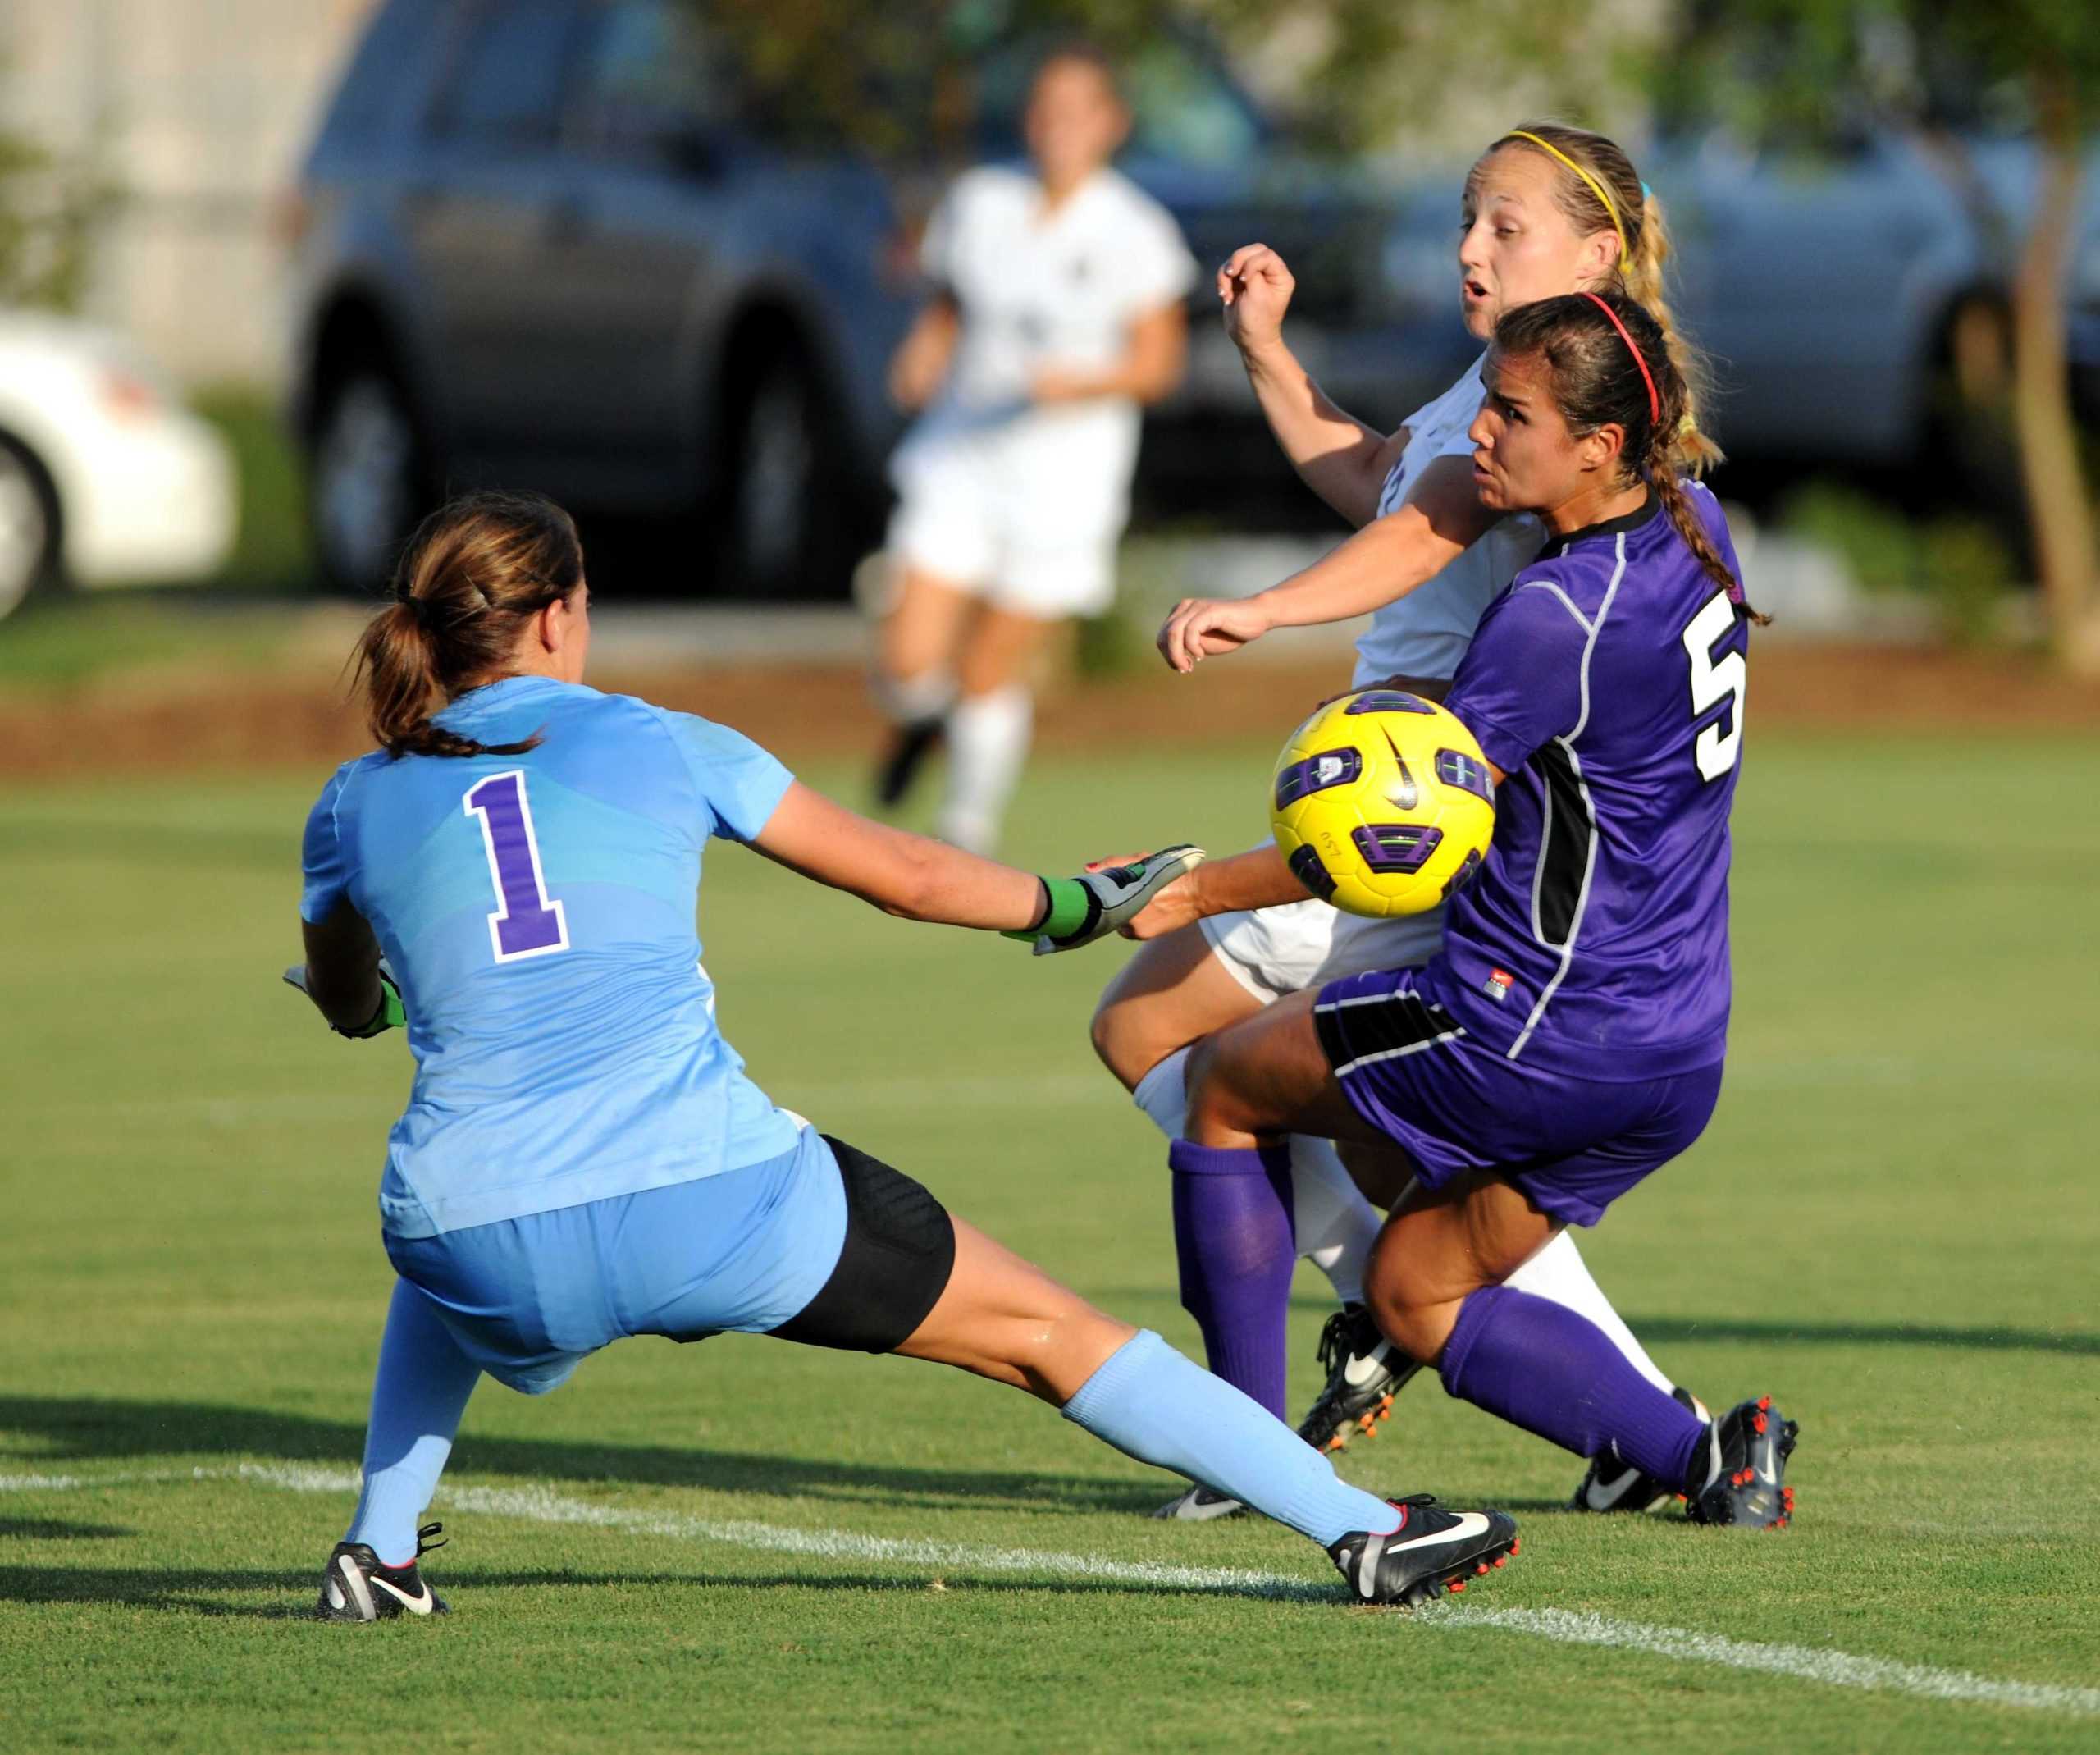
point(2058, 502)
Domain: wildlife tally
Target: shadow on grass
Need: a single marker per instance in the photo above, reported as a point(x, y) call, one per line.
point(1661, 1330)
point(80, 1428)
point(211, 1592)
point(52, 1529)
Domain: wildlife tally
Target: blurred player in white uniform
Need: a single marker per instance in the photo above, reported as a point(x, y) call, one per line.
point(1058, 311)
point(1548, 210)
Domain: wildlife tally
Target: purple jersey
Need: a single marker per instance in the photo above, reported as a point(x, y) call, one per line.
point(1608, 684)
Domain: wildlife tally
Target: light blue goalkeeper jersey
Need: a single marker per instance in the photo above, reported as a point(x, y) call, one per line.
point(538, 911)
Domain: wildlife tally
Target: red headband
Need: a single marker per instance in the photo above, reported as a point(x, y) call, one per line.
point(1654, 402)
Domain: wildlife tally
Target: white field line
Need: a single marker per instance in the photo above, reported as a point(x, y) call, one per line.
point(542, 1505)
point(1054, 1090)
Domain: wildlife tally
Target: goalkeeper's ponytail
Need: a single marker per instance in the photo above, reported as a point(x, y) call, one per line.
point(475, 572)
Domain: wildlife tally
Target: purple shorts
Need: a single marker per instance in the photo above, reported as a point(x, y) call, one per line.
point(1573, 1145)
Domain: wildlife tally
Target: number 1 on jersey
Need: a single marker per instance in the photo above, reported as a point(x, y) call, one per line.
point(527, 922)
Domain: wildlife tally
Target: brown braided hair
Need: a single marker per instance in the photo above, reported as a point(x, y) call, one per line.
point(475, 572)
point(1647, 250)
point(1597, 381)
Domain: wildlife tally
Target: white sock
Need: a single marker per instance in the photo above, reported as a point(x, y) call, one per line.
point(1336, 1226)
point(906, 700)
point(1557, 1272)
point(1163, 1094)
point(987, 743)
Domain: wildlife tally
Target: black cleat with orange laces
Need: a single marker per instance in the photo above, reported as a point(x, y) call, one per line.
point(1434, 1551)
point(1740, 1476)
point(1365, 1371)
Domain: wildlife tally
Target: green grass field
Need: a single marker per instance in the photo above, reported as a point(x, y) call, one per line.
point(1891, 1226)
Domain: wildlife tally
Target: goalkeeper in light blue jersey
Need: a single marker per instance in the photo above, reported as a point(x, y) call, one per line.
point(512, 875)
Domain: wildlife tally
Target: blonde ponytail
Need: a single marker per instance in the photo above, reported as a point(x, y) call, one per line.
point(1646, 284)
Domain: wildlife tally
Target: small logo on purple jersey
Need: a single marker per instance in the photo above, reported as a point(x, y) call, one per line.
point(1498, 983)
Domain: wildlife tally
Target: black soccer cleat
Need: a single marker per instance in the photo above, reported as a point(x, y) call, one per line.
point(1365, 1371)
point(910, 745)
point(357, 1587)
point(1612, 1485)
point(1745, 1469)
point(1433, 1552)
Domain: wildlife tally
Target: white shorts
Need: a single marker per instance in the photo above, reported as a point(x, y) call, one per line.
point(1271, 952)
point(952, 521)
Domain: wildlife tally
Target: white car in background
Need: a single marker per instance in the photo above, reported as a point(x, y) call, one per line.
point(105, 478)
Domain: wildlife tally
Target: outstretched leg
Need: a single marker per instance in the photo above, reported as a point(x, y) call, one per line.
point(1008, 1321)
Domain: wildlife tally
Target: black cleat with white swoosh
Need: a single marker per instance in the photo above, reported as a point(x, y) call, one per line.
point(1741, 1476)
point(1434, 1550)
point(358, 1586)
point(1612, 1485)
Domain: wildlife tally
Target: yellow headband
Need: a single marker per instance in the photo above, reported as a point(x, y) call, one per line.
point(1602, 194)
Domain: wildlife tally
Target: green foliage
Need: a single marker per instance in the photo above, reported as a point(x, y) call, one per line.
point(51, 209)
point(1889, 1225)
point(1815, 71)
point(1367, 75)
point(1958, 562)
point(273, 547)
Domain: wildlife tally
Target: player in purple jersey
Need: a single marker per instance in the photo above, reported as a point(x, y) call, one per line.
point(1546, 209)
point(1567, 1041)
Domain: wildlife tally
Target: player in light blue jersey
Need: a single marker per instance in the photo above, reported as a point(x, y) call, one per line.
point(512, 875)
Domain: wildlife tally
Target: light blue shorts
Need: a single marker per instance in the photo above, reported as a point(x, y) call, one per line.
point(529, 1299)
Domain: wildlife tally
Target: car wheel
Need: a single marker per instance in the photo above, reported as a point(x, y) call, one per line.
point(366, 480)
point(780, 503)
point(29, 525)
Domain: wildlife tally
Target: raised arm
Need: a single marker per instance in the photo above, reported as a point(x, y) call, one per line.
point(1335, 454)
point(1389, 557)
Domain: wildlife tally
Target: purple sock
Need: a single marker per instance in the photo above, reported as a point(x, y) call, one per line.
point(1542, 1366)
point(1232, 1232)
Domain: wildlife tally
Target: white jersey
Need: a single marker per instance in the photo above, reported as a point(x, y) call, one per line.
point(1038, 291)
point(1427, 633)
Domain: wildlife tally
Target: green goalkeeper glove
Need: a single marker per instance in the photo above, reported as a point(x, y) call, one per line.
point(391, 1015)
point(1079, 910)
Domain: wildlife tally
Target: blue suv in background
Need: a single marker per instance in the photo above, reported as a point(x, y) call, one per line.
point(560, 244)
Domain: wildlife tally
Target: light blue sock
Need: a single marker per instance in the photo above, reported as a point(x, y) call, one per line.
point(1151, 1403)
point(422, 1389)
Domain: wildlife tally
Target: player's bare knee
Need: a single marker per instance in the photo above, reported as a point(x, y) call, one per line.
point(1418, 1330)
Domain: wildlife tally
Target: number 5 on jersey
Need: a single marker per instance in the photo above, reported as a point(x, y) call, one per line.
point(527, 922)
point(1715, 749)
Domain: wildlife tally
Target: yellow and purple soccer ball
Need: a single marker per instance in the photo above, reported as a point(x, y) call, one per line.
point(1382, 803)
